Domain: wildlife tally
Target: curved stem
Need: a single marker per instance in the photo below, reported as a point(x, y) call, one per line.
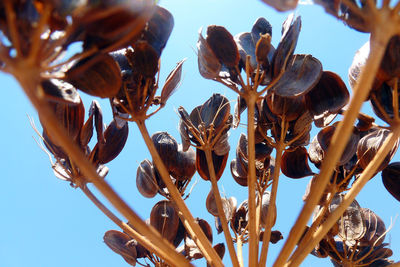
point(338, 142)
point(29, 78)
point(251, 98)
point(350, 196)
point(220, 208)
point(186, 217)
point(274, 190)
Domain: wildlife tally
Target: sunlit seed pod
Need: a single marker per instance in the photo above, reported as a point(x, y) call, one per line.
point(158, 29)
point(391, 179)
point(208, 63)
point(295, 163)
point(324, 138)
point(167, 148)
point(121, 244)
point(390, 65)
point(246, 47)
point(229, 205)
point(382, 101)
point(287, 107)
point(165, 219)
point(145, 180)
point(375, 229)
point(143, 59)
point(223, 46)
point(240, 218)
point(215, 111)
point(185, 165)
point(351, 226)
point(365, 122)
point(282, 5)
point(260, 27)
point(290, 34)
point(275, 236)
point(291, 84)
point(172, 82)
point(238, 173)
point(315, 152)
point(222, 146)
point(115, 138)
point(60, 91)
point(98, 75)
point(359, 60)
point(324, 119)
point(191, 249)
point(119, 21)
point(219, 163)
point(264, 49)
point(328, 96)
point(265, 204)
point(369, 146)
point(220, 249)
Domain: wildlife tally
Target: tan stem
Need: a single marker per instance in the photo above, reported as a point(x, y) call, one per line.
point(186, 217)
point(29, 79)
point(251, 98)
point(220, 208)
point(239, 245)
point(338, 143)
point(366, 175)
point(274, 190)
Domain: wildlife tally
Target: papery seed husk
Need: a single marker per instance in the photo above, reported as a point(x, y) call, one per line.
point(143, 59)
point(202, 167)
point(246, 47)
point(290, 108)
point(60, 91)
point(216, 111)
point(97, 75)
point(167, 148)
point(375, 229)
point(208, 63)
point(238, 173)
point(223, 45)
point(145, 179)
point(369, 145)
point(391, 179)
point(185, 164)
point(282, 5)
point(295, 163)
point(265, 209)
point(172, 82)
point(120, 243)
point(165, 219)
point(382, 98)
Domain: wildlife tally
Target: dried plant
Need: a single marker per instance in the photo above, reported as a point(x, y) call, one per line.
point(284, 94)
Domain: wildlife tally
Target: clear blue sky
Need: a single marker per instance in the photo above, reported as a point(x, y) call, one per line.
point(47, 223)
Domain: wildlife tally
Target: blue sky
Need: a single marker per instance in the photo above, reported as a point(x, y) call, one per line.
point(47, 223)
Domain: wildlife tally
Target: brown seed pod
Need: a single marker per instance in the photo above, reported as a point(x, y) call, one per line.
point(121, 244)
point(60, 91)
point(382, 101)
point(229, 205)
point(390, 66)
point(191, 249)
point(165, 219)
point(328, 96)
point(171, 82)
point(97, 75)
point(238, 172)
point(167, 148)
point(282, 5)
point(265, 203)
point(391, 179)
point(289, 107)
point(291, 84)
point(375, 229)
point(115, 137)
point(145, 180)
point(208, 63)
point(202, 167)
point(223, 46)
point(369, 146)
point(143, 59)
point(240, 218)
point(295, 163)
point(290, 33)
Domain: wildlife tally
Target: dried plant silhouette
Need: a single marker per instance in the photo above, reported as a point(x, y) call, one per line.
point(283, 93)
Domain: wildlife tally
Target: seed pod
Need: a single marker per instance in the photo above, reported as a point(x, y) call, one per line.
point(265, 203)
point(191, 249)
point(282, 5)
point(240, 219)
point(229, 205)
point(290, 33)
point(359, 60)
point(121, 244)
point(167, 148)
point(329, 95)
point(369, 146)
point(98, 75)
point(375, 229)
point(143, 59)
point(289, 107)
point(382, 101)
point(60, 91)
point(185, 165)
point(209, 65)
point(391, 179)
point(223, 46)
point(145, 180)
point(115, 137)
point(165, 219)
point(172, 82)
point(295, 163)
point(291, 84)
point(202, 166)
point(390, 66)
point(216, 111)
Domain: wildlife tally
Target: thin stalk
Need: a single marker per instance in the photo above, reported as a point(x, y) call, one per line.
point(350, 196)
point(29, 79)
point(239, 246)
point(187, 219)
point(397, 264)
point(338, 142)
point(220, 208)
point(251, 98)
point(275, 179)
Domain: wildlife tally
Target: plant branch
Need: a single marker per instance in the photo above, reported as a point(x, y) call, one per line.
point(220, 208)
point(338, 142)
point(274, 190)
point(251, 98)
point(29, 78)
point(366, 175)
point(187, 219)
